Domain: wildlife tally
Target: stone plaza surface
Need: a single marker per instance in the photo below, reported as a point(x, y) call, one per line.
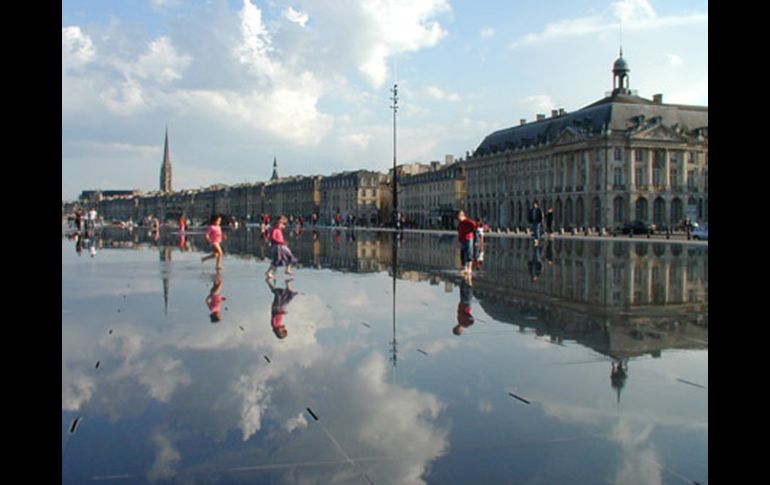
point(585, 362)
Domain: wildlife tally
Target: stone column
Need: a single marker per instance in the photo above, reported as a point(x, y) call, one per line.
point(648, 161)
point(631, 185)
point(667, 170)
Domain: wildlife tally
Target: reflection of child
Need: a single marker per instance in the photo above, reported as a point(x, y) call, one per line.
point(279, 251)
point(215, 299)
point(214, 236)
point(464, 317)
point(281, 298)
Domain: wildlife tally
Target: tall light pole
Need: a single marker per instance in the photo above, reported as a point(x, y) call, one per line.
point(394, 107)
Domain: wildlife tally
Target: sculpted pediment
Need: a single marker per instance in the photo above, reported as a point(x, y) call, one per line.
point(658, 132)
point(568, 135)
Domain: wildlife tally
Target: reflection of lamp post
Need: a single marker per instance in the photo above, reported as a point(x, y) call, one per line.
point(394, 264)
point(394, 107)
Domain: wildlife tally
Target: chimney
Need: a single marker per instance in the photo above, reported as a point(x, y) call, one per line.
point(449, 159)
point(540, 117)
point(522, 122)
point(561, 112)
point(554, 113)
point(657, 98)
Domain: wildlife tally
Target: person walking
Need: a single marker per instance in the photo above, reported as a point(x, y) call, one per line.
point(466, 227)
point(279, 251)
point(214, 237)
point(536, 219)
point(549, 221)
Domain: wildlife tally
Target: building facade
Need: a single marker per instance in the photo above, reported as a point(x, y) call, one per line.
point(431, 198)
point(355, 196)
point(619, 159)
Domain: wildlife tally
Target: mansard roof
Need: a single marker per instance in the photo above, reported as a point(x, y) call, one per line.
point(619, 113)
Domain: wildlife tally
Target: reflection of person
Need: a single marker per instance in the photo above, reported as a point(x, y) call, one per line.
point(536, 219)
point(535, 265)
point(466, 227)
point(215, 299)
point(464, 317)
point(215, 237)
point(281, 298)
point(279, 251)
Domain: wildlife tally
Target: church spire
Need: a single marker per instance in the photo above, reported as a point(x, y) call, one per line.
point(165, 169)
point(275, 170)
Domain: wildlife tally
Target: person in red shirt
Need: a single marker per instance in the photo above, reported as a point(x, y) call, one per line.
point(215, 237)
point(465, 230)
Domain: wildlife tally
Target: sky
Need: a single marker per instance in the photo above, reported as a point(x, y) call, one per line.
point(308, 82)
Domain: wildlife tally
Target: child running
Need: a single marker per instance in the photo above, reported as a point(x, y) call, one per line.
point(215, 237)
point(279, 251)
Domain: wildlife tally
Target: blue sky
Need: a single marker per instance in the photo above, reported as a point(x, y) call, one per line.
point(308, 81)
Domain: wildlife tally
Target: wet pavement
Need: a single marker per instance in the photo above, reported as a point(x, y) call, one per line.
point(574, 361)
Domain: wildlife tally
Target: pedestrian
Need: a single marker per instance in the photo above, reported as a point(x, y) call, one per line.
point(214, 237)
point(182, 224)
point(549, 221)
point(478, 245)
point(466, 227)
point(536, 219)
point(279, 250)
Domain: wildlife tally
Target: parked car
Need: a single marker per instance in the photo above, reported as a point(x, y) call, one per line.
point(701, 233)
point(637, 227)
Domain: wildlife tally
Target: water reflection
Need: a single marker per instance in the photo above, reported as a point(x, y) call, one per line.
point(229, 402)
point(464, 317)
point(281, 299)
point(214, 299)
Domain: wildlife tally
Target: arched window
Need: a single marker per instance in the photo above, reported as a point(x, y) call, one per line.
point(641, 209)
point(617, 209)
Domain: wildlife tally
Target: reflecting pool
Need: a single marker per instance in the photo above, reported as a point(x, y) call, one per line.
point(573, 361)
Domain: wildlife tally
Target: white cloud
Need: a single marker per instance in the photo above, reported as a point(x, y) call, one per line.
point(673, 60)
point(359, 141)
point(393, 26)
point(166, 458)
point(437, 93)
point(539, 103)
point(634, 15)
point(296, 423)
point(299, 18)
point(77, 48)
point(487, 32)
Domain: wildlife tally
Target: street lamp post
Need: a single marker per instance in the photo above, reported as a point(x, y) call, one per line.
point(394, 107)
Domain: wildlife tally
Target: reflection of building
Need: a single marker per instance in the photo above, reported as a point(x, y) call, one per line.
point(618, 159)
point(622, 299)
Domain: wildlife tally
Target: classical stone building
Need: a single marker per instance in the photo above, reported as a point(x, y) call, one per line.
point(297, 196)
point(432, 197)
point(619, 159)
point(356, 194)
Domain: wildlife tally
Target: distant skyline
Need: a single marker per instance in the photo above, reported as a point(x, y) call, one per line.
point(240, 82)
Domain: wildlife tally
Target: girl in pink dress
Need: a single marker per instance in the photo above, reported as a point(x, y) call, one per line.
point(279, 251)
point(215, 237)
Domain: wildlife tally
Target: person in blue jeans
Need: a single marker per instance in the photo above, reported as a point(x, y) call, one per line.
point(536, 219)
